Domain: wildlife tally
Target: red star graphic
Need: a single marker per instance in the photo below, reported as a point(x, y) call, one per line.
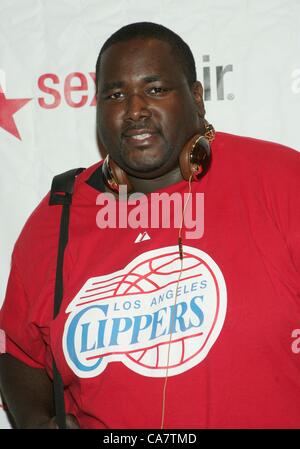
point(8, 108)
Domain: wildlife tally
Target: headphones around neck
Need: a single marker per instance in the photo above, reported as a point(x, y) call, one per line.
point(194, 162)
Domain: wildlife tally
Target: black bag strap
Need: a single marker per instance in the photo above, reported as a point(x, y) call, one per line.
point(61, 194)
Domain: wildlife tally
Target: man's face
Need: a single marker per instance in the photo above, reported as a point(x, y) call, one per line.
point(146, 110)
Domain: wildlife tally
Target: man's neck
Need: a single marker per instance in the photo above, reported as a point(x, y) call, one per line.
point(150, 185)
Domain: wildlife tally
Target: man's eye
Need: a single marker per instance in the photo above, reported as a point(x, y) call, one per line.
point(157, 90)
point(115, 96)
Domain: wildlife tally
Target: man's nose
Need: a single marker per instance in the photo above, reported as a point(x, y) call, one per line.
point(137, 108)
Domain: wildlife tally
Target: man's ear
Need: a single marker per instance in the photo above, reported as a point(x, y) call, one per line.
point(197, 91)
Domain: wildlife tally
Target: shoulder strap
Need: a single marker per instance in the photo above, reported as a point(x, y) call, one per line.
point(61, 194)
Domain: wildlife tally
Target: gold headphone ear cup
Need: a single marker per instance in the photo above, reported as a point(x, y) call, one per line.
point(200, 158)
point(120, 175)
point(194, 159)
point(114, 176)
point(184, 159)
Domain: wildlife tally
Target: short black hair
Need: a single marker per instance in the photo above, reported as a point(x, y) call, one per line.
point(146, 30)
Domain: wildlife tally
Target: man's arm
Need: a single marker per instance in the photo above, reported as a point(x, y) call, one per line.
point(28, 393)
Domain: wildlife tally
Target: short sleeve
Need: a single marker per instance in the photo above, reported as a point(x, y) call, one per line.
point(293, 215)
point(286, 201)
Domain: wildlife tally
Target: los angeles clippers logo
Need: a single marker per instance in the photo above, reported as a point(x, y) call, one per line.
point(129, 315)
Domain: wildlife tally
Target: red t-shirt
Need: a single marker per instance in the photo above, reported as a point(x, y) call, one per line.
point(229, 314)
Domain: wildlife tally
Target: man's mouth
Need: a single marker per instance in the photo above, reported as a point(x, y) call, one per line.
point(139, 136)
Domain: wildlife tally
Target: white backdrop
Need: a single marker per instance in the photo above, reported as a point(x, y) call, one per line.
point(47, 48)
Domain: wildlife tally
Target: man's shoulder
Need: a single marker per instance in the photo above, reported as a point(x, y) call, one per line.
point(234, 142)
point(42, 225)
point(256, 153)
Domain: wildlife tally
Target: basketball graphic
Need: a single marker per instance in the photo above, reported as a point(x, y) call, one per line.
point(158, 313)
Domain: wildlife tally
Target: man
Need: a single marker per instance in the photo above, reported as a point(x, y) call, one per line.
point(158, 328)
